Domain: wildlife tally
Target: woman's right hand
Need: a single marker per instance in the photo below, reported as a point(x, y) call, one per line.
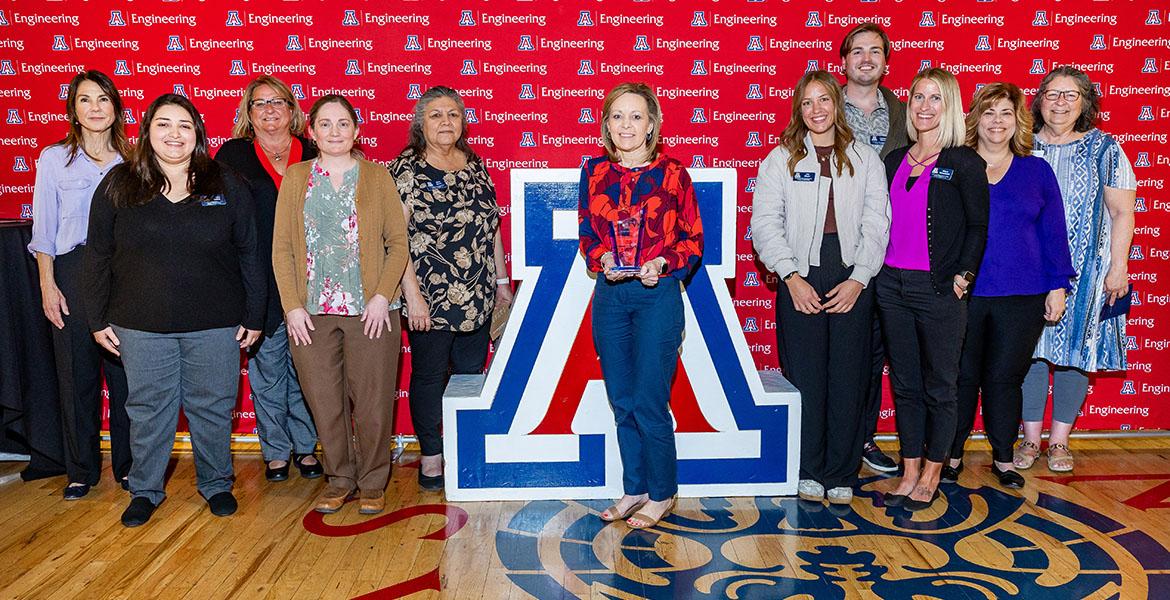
point(106, 339)
point(299, 325)
point(804, 297)
point(607, 265)
point(54, 305)
point(418, 313)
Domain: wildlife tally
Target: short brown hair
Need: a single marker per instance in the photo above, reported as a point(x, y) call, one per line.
point(1021, 142)
point(1090, 99)
point(867, 27)
point(243, 127)
point(655, 117)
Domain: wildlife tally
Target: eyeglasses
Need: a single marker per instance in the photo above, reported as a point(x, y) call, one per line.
point(1068, 95)
point(277, 103)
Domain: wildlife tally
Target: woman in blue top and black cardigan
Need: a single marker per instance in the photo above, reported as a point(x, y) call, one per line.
point(1022, 280)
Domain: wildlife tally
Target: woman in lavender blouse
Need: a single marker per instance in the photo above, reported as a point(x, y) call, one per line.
point(67, 174)
point(1022, 281)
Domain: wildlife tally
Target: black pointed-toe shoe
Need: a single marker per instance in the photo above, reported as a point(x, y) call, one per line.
point(1008, 479)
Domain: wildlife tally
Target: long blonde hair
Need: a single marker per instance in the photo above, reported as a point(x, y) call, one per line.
point(952, 131)
point(793, 137)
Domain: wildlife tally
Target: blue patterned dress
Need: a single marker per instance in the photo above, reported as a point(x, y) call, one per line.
point(1084, 169)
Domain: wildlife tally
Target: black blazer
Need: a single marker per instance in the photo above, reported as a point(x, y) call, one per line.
point(240, 155)
point(957, 210)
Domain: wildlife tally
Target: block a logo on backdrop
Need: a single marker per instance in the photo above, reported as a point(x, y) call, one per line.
point(538, 424)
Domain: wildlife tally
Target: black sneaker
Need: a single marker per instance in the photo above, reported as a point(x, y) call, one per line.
point(222, 504)
point(139, 511)
point(874, 458)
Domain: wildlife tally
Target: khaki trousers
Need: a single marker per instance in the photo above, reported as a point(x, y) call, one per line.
point(350, 384)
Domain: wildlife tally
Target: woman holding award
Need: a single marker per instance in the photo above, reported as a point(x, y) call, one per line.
point(640, 230)
point(821, 221)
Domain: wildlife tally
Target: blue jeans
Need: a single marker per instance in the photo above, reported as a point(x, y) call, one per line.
point(282, 419)
point(637, 331)
point(198, 371)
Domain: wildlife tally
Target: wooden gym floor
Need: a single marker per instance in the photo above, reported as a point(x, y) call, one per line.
point(1102, 533)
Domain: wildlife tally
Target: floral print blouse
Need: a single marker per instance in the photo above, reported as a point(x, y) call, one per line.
point(452, 228)
point(331, 235)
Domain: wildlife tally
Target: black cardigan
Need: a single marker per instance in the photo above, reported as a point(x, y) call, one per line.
point(240, 155)
point(957, 210)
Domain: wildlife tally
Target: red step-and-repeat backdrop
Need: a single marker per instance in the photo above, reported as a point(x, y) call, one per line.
point(533, 76)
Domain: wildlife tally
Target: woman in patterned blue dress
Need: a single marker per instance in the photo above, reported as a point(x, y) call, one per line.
point(1098, 186)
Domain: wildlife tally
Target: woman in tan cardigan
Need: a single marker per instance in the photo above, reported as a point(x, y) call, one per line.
point(339, 250)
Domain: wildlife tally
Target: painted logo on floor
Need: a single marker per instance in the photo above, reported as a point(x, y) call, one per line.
point(975, 543)
point(538, 425)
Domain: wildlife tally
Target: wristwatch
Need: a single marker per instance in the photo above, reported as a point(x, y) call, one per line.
point(788, 276)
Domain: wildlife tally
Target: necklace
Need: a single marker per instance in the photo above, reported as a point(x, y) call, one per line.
point(276, 156)
point(925, 161)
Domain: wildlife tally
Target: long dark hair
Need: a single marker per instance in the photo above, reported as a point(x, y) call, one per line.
point(793, 137)
point(417, 143)
point(142, 178)
point(73, 139)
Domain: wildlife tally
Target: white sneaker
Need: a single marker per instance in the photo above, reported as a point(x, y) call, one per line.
point(810, 490)
point(840, 495)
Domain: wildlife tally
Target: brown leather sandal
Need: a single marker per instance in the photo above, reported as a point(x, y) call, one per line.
point(614, 515)
point(1025, 455)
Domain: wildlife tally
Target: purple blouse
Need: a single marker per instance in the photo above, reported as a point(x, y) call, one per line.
point(909, 248)
point(1027, 244)
point(61, 199)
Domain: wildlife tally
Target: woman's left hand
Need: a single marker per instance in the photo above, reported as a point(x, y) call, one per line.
point(1116, 284)
point(376, 316)
point(504, 293)
point(651, 271)
point(960, 286)
point(247, 337)
point(1054, 305)
point(843, 296)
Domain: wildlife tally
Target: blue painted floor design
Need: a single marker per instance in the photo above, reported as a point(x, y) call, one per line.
point(975, 543)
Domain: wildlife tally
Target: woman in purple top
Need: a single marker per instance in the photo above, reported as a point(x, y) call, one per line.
point(938, 228)
point(67, 174)
point(1022, 281)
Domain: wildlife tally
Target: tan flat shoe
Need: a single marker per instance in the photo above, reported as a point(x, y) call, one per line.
point(1025, 455)
point(647, 520)
point(331, 500)
point(371, 503)
point(1060, 458)
point(614, 515)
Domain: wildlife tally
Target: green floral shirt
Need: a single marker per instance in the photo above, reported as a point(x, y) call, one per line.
point(331, 235)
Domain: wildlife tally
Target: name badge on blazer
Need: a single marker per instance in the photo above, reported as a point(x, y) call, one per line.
point(877, 140)
point(943, 174)
point(804, 176)
point(437, 184)
point(217, 200)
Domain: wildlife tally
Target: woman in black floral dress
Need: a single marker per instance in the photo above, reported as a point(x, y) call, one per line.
point(457, 272)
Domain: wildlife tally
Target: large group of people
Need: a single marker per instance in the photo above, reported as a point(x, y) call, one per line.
point(978, 252)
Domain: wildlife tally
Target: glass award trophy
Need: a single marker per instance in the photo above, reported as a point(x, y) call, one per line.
point(627, 241)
